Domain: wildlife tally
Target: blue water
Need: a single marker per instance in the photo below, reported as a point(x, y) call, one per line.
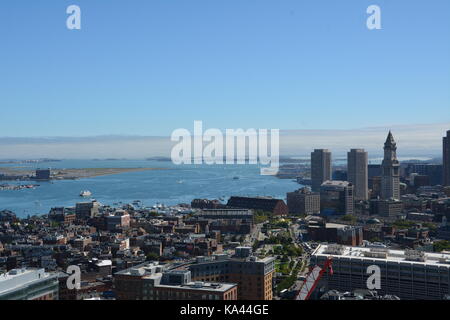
point(178, 184)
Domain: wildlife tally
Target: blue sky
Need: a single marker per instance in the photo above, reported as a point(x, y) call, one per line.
point(147, 67)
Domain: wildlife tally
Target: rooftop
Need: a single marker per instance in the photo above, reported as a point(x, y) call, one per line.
point(205, 286)
point(384, 254)
point(18, 278)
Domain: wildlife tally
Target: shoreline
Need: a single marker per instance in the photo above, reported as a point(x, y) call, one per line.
point(68, 174)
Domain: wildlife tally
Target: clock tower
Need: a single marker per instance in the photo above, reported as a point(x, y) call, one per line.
point(390, 183)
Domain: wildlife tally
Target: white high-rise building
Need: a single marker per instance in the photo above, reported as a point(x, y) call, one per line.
point(357, 163)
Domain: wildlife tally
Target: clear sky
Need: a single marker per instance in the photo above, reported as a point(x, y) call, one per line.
point(147, 67)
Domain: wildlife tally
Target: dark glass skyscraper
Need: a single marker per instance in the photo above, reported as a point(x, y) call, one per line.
point(320, 168)
point(446, 158)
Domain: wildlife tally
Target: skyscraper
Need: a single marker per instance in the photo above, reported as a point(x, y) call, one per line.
point(446, 158)
point(320, 168)
point(357, 163)
point(390, 182)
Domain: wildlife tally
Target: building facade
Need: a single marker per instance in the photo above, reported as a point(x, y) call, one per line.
point(28, 284)
point(336, 198)
point(320, 168)
point(357, 163)
point(446, 159)
point(152, 281)
point(303, 202)
point(409, 274)
point(254, 276)
point(435, 172)
point(390, 183)
point(275, 206)
point(386, 208)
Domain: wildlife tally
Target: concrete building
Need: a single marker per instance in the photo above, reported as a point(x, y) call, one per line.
point(86, 210)
point(410, 275)
point(227, 221)
point(336, 197)
point(335, 233)
point(320, 168)
point(28, 284)
point(303, 202)
point(446, 159)
point(119, 221)
point(390, 183)
point(357, 166)
point(433, 171)
point(155, 281)
point(62, 215)
point(254, 276)
point(386, 208)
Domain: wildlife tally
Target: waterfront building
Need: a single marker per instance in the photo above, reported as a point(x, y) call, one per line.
point(320, 168)
point(267, 204)
point(86, 210)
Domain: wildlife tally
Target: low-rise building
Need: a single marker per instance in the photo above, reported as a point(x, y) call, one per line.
point(254, 276)
point(303, 202)
point(267, 204)
point(28, 284)
point(153, 281)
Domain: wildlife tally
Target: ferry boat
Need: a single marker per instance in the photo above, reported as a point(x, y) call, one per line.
point(85, 194)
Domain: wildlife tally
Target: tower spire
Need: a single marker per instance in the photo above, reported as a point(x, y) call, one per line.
point(390, 141)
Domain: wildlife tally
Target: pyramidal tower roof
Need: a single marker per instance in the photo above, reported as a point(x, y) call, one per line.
point(390, 142)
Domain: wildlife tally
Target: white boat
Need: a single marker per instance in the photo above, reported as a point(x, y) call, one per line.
point(85, 193)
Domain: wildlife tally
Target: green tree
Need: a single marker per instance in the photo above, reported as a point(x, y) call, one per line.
point(442, 245)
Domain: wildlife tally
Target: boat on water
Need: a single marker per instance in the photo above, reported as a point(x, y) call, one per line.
point(85, 194)
point(235, 178)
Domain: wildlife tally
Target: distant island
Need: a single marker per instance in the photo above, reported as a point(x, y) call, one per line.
point(67, 174)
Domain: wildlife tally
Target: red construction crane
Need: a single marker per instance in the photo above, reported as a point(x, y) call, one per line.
point(313, 278)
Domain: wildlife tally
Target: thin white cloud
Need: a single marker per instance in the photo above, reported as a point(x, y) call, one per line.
point(412, 140)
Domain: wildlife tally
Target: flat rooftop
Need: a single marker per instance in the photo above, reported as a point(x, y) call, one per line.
point(201, 286)
point(384, 254)
point(18, 278)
